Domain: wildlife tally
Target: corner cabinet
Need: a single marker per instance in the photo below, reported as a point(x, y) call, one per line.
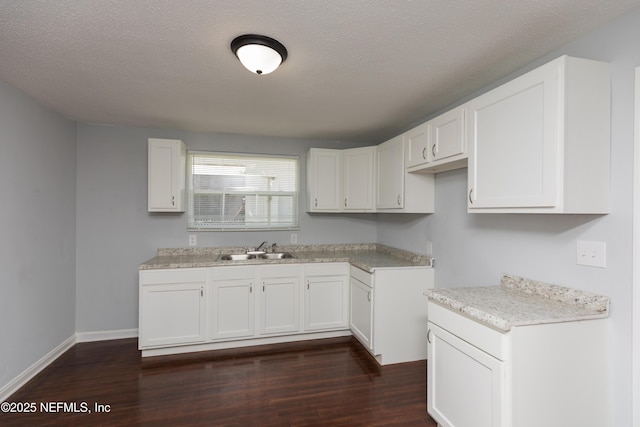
point(541, 142)
point(398, 190)
point(166, 175)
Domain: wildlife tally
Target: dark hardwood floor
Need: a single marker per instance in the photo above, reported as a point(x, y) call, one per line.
point(322, 383)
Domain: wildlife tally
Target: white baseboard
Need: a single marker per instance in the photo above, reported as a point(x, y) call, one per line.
point(33, 370)
point(46, 360)
point(106, 335)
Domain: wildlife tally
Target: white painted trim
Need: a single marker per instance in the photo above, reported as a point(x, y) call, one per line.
point(222, 345)
point(36, 368)
point(106, 335)
point(635, 357)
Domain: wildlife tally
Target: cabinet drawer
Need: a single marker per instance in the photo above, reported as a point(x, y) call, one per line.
point(483, 337)
point(184, 275)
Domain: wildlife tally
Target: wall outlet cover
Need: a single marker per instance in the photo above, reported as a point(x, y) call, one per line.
point(591, 253)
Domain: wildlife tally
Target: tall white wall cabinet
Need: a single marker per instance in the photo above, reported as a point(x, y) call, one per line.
point(166, 182)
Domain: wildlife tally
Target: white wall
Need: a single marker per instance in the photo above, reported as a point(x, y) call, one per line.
point(475, 249)
point(37, 232)
point(116, 233)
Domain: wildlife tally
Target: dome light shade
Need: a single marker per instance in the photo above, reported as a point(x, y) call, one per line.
point(259, 54)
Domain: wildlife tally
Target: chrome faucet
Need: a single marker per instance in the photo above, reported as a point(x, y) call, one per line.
point(261, 245)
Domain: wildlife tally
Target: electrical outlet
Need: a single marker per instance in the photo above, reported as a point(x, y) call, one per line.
point(193, 240)
point(294, 238)
point(429, 248)
point(593, 254)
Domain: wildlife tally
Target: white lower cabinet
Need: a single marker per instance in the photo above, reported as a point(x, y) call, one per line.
point(551, 374)
point(196, 309)
point(362, 309)
point(231, 303)
point(326, 300)
point(463, 373)
point(279, 299)
point(389, 312)
point(172, 307)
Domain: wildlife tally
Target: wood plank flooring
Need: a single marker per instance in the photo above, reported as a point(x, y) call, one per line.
point(321, 383)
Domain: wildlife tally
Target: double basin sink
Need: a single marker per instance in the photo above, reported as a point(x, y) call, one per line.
point(258, 256)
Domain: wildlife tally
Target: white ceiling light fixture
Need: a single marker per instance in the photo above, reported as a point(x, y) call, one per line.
point(259, 54)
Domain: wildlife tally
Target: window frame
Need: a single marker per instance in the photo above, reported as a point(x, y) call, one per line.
point(225, 226)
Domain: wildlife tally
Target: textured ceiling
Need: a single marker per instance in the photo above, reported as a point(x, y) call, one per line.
point(359, 70)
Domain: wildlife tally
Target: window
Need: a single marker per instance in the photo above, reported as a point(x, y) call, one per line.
point(241, 192)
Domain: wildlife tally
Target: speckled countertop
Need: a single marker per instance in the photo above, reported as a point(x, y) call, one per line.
point(518, 301)
point(368, 256)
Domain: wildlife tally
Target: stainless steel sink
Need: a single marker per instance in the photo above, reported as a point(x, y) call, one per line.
point(236, 257)
point(277, 255)
point(265, 256)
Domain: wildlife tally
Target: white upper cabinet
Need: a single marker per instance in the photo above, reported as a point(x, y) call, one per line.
point(541, 142)
point(398, 190)
point(358, 181)
point(166, 179)
point(447, 147)
point(390, 172)
point(324, 180)
point(417, 142)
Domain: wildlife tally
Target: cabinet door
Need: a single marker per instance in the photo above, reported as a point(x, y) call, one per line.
point(326, 302)
point(279, 305)
point(232, 308)
point(324, 180)
point(390, 174)
point(466, 387)
point(358, 178)
point(447, 135)
point(417, 140)
point(166, 175)
point(172, 314)
point(513, 142)
point(362, 312)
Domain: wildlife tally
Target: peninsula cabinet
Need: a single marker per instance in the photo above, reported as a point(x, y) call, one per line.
point(541, 142)
point(172, 307)
point(388, 312)
point(552, 374)
point(166, 175)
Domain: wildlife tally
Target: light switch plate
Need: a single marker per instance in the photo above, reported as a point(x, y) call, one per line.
point(591, 253)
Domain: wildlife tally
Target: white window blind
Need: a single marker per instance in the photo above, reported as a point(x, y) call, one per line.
point(241, 192)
